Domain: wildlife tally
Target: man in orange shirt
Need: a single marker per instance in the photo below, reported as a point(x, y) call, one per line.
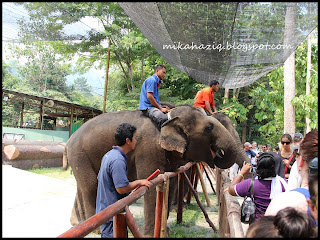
point(205, 97)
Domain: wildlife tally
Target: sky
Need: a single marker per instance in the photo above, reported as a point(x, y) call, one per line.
point(11, 13)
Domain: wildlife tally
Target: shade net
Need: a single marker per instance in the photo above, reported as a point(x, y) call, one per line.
point(235, 43)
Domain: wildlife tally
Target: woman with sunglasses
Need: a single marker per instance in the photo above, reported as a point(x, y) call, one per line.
point(286, 153)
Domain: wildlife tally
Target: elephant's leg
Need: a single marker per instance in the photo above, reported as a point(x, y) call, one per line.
point(149, 212)
point(77, 214)
point(87, 183)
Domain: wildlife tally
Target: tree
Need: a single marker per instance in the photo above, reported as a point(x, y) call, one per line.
point(289, 70)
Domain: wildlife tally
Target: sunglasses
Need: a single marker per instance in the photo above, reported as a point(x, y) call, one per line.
point(285, 143)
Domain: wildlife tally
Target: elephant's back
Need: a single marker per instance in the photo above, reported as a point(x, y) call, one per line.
point(96, 137)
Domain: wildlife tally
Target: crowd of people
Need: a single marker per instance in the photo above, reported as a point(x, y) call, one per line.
point(285, 186)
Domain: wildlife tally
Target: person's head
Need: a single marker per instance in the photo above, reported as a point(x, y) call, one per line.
point(254, 145)
point(266, 166)
point(125, 134)
point(276, 149)
point(160, 70)
point(286, 141)
point(264, 147)
point(214, 85)
point(297, 138)
point(263, 228)
point(292, 223)
point(247, 146)
point(269, 147)
point(308, 150)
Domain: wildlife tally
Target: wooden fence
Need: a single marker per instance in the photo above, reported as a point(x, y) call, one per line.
point(229, 208)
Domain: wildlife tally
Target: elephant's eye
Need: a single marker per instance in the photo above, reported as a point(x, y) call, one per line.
point(208, 128)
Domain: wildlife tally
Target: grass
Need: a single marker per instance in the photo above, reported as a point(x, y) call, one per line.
point(57, 172)
point(193, 223)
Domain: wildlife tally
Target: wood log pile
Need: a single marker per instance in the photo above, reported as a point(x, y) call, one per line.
point(27, 154)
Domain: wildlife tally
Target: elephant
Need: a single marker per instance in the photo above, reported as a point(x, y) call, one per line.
point(188, 135)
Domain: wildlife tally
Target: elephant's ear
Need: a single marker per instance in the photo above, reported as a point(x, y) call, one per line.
point(172, 137)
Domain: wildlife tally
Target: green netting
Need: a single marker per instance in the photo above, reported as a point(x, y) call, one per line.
point(235, 43)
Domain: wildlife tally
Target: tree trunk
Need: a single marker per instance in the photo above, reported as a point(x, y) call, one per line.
point(289, 70)
point(309, 65)
point(30, 152)
point(142, 63)
point(244, 129)
point(226, 95)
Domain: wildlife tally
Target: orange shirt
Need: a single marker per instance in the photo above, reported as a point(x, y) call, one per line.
point(205, 94)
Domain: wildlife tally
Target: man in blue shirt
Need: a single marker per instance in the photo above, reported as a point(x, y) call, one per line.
point(113, 183)
point(149, 97)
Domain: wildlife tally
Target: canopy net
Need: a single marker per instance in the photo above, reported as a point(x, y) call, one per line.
point(235, 43)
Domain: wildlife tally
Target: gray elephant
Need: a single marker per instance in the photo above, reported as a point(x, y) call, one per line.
point(189, 135)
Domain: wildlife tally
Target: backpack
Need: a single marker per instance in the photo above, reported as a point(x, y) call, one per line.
point(248, 208)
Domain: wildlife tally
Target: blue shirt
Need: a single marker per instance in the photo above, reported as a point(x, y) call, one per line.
point(112, 175)
point(151, 84)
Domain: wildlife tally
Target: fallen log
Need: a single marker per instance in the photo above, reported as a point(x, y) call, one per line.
point(20, 152)
point(7, 142)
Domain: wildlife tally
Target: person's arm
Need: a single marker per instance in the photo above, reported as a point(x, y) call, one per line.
point(214, 109)
point(133, 185)
point(208, 107)
point(244, 170)
point(153, 101)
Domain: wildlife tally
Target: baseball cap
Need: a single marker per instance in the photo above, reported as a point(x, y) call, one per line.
point(313, 166)
point(297, 137)
point(247, 144)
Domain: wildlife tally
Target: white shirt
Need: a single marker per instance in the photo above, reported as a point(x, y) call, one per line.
point(294, 180)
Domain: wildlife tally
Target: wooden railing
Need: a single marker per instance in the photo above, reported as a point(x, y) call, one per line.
point(229, 208)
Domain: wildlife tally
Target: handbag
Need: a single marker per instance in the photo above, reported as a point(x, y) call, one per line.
point(248, 208)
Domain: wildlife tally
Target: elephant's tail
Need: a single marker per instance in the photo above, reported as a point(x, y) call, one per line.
point(65, 162)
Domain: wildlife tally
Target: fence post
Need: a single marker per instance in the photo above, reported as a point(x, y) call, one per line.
point(203, 185)
point(192, 179)
point(159, 205)
point(120, 226)
point(180, 198)
point(163, 233)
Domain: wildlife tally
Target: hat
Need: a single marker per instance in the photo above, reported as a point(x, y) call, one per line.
point(297, 137)
point(313, 166)
point(247, 144)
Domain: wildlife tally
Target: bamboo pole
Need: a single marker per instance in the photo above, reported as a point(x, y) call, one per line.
point(204, 168)
point(203, 186)
point(199, 203)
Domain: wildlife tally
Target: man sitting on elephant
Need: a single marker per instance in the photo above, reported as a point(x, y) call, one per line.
point(149, 97)
point(113, 183)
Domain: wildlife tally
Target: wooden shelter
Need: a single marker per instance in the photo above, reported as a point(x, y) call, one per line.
point(47, 108)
